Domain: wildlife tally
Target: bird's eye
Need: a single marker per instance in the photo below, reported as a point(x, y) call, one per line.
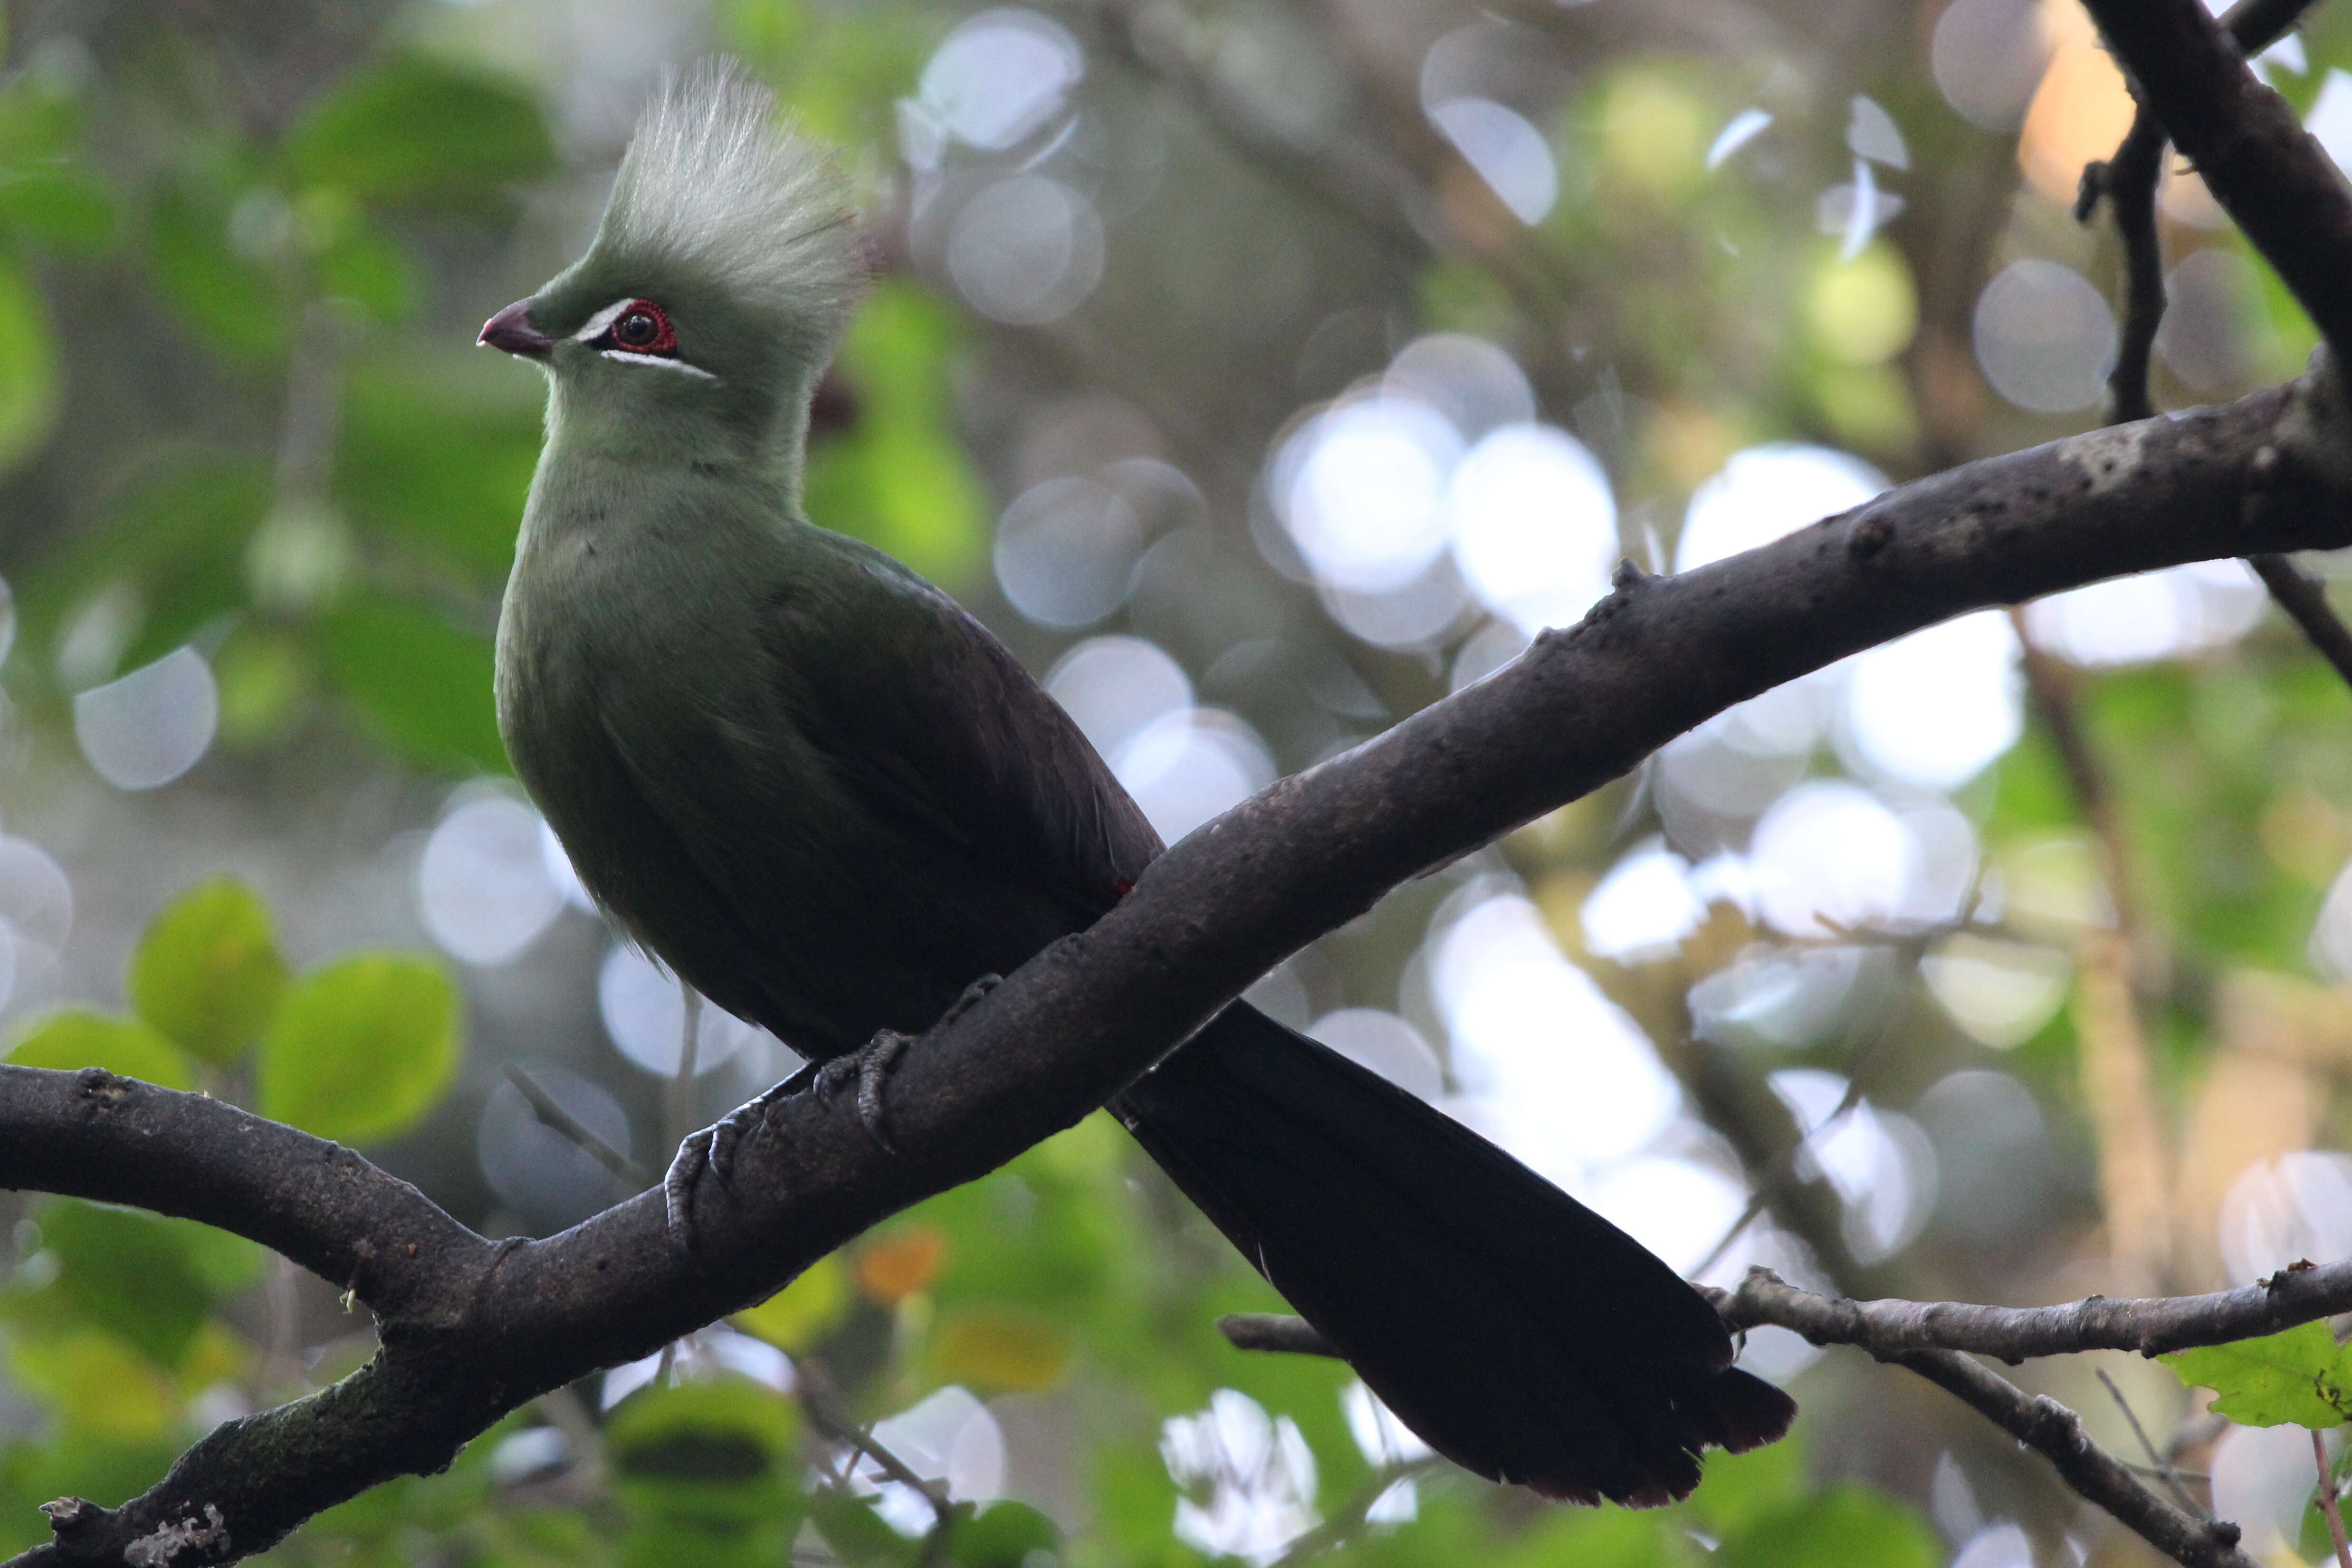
point(642, 329)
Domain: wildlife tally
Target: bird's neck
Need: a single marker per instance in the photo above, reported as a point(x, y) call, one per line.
point(647, 441)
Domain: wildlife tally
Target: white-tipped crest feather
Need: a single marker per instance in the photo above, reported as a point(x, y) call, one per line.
point(712, 179)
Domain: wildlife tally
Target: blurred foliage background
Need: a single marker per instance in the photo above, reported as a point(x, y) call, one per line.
point(1261, 371)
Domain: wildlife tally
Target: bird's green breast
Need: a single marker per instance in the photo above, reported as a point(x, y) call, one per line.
point(657, 652)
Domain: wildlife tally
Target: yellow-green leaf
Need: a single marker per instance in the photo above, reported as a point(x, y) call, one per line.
point(207, 973)
point(2301, 1377)
point(362, 1048)
point(1000, 1350)
point(97, 1384)
point(78, 1038)
point(28, 368)
point(709, 1457)
point(797, 1316)
point(1843, 1524)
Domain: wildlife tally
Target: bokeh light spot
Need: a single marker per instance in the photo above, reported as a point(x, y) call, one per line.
point(2044, 337)
point(150, 726)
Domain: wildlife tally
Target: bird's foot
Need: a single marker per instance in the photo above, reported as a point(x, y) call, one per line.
point(710, 1154)
point(870, 1069)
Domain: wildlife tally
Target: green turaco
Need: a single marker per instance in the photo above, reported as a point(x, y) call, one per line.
point(831, 801)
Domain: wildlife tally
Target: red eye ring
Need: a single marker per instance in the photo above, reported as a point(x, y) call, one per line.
point(641, 328)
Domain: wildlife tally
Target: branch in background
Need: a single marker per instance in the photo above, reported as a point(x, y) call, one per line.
point(1935, 1339)
point(2158, 1464)
point(2328, 1506)
point(2056, 1433)
point(578, 1133)
point(2147, 1326)
point(1275, 1332)
point(2306, 601)
point(2135, 1186)
point(2266, 171)
point(1349, 1518)
point(2128, 181)
point(1928, 1339)
point(470, 1329)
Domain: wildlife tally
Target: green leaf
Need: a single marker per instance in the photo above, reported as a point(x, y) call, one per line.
point(900, 478)
point(1843, 1524)
point(1736, 1488)
point(147, 1279)
point(799, 1314)
point(2301, 1377)
point(57, 206)
point(422, 685)
point(228, 296)
point(1006, 1534)
point(77, 1039)
point(171, 548)
point(418, 130)
point(362, 1048)
point(28, 368)
point(997, 1349)
point(40, 119)
point(858, 1535)
point(97, 1382)
point(704, 1469)
point(437, 454)
point(366, 269)
point(1579, 1538)
point(207, 972)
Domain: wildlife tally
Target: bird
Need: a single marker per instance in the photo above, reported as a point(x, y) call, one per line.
point(829, 799)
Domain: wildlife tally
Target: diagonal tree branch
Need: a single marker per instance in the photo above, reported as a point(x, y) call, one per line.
point(2266, 171)
point(2043, 1425)
point(470, 1329)
point(2127, 180)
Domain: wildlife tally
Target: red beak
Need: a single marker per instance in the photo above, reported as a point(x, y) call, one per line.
point(511, 330)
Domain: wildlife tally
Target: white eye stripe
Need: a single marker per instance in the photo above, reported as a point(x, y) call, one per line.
point(602, 319)
point(627, 358)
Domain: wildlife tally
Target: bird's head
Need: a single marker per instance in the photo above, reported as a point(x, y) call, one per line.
point(716, 289)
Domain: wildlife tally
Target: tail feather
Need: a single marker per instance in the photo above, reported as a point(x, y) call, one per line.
point(1519, 1333)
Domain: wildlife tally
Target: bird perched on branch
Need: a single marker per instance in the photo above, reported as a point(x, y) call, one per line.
point(830, 800)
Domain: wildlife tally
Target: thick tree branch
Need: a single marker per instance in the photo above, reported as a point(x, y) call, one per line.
point(470, 1329)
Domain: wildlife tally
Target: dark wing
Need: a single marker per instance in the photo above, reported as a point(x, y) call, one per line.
point(936, 725)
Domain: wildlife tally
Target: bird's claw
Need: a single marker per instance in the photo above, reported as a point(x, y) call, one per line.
point(869, 1069)
point(711, 1153)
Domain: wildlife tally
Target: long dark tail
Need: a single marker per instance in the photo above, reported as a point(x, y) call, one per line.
point(1519, 1333)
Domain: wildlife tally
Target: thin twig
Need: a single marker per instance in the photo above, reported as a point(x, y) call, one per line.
point(1342, 1526)
point(553, 1116)
point(2327, 1503)
point(2056, 1433)
point(2158, 1464)
point(2305, 602)
point(1777, 1180)
point(816, 1391)
point(2128, 181)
